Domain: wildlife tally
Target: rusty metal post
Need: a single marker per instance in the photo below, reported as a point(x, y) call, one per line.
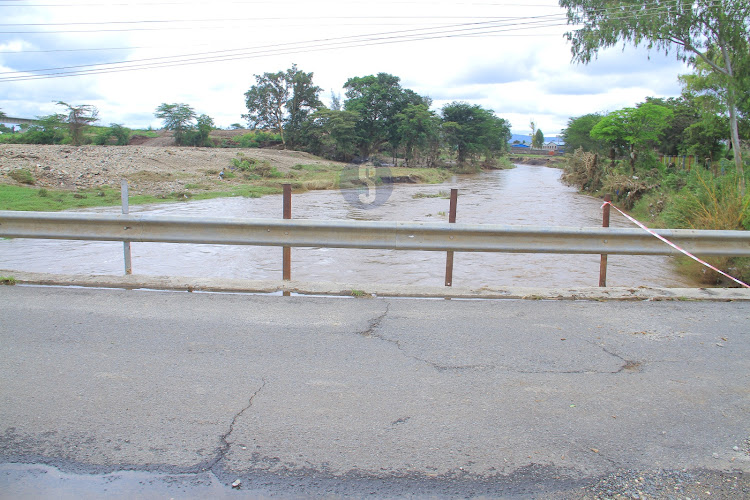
point(287, 252)
point(449, 257)
point(125, 210)
point(603, 263)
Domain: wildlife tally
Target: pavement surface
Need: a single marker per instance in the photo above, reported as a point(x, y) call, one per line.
point(161, 394)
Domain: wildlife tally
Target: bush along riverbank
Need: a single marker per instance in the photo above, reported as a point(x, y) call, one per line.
point(667, 196)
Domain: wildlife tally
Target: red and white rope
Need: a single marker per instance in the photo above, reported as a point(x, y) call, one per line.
point(662, 238)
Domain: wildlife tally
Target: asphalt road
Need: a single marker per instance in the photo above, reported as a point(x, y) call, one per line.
point(180, 394)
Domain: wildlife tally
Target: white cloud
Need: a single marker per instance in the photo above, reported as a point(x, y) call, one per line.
point(522, 75)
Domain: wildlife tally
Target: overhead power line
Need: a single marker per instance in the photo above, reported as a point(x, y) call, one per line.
point(485, 28)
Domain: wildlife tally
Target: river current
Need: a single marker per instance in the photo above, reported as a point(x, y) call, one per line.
point(526, 195)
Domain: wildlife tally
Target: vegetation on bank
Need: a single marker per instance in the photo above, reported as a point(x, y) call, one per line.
point(616, 153)
point(645, 175)
point(246, 177)
point(378, 118)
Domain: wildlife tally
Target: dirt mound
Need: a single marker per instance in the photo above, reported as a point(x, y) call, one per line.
point(164, 139)
point(149, 168)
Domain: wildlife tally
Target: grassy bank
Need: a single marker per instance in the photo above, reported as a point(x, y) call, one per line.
point(53, 200)
point(251, 183)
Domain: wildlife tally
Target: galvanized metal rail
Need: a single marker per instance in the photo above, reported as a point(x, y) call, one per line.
point(367, 234)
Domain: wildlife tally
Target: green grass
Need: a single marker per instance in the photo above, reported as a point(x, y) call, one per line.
point(50, 200)
point(145, 133)
point(7, 280)
point(23, 176)
point(440, 194)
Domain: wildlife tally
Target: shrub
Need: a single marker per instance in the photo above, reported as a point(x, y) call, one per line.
point(583, 171)
point(23, 176)
point(709, 202)
point(258, 139)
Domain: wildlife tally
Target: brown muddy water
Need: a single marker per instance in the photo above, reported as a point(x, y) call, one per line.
point(526, 195)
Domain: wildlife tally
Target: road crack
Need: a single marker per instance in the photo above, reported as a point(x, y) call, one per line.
point(372, 331)
point(628, 365)
point(223, 449)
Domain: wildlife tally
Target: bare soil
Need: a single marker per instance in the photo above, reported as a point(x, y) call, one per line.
point(154, 167)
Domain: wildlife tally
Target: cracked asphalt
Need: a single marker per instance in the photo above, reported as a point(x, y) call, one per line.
point(185, 393)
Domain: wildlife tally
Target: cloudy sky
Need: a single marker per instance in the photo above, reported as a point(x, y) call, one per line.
point(128, 56)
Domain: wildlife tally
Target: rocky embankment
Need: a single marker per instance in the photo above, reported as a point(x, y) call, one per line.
point(149, 170)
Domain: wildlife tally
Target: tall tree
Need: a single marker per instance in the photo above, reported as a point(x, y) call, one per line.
point(377, 100)
point(578, 133)
point(265, 102)
point(712, 31)
point(282, 101)
point(419, 129)
point(538, 140)
point(177, 118)
point(472, 130)
point(304, 100)
point(78, 117)
point(708, 91)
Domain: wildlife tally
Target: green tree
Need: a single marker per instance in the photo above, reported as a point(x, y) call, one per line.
point(304, 100)
point(120, 134)
point(578, 133)
point(178, 118)
point(282, 101)
point(77, 118)
point(377, 100)
point(538, 140)
point(419, 130)
point(684, 114)
point(330, 133)
point(471, 130)
point(198, 135)
point(715, 32)
point(633, 128)
point(708, 90)
point(46, 130)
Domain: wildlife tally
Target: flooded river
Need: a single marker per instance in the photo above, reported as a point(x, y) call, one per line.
point(526, 195)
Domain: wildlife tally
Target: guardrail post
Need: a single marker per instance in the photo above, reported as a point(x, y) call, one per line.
point(605, 223)
point(125, 210)
point(287, 252)
point(449, 257)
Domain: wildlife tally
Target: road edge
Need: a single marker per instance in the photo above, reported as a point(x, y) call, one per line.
point(225, 285)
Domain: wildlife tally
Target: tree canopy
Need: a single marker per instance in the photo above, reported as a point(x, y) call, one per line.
point(77, 118)
point(472, 129)
point(715, 32)
point(178, 118)
point(538, 140)
point(282, 101)
point(578, 133)
point(377, 100)
point(633, 128)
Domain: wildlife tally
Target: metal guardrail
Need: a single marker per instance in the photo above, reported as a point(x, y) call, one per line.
point(368, 234)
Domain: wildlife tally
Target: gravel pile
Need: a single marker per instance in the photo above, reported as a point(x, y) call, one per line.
point(149, 170)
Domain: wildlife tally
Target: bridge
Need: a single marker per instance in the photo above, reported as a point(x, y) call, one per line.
point(188, 393)
point(134, 384)
point(12, 120)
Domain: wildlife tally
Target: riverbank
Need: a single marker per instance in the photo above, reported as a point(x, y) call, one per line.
point(44, 177)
